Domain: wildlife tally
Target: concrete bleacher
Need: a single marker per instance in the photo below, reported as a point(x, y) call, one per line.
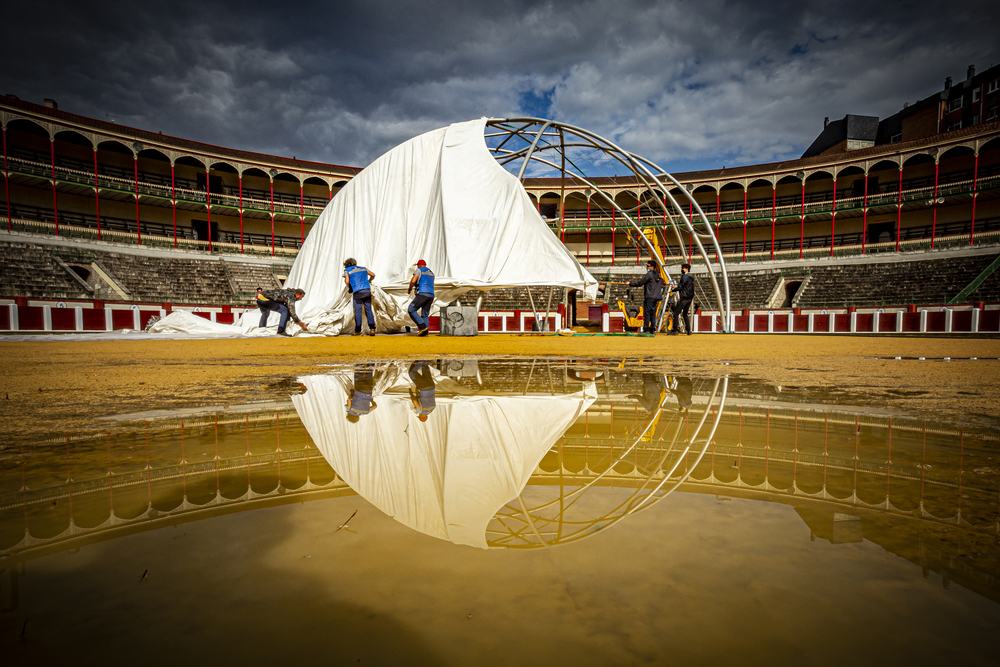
point(32, 271)
point(931, 281)
point(43, 271)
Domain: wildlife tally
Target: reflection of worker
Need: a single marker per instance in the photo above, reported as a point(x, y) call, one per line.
point(682, 388)
point(281, 301)
point(420, 308)
point(652, 285)
point(356, 278)
point(423, 397)
point(685, 293)
point(361, 401)
point(652, 388)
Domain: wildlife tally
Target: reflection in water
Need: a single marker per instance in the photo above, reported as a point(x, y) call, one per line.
point(523, 454)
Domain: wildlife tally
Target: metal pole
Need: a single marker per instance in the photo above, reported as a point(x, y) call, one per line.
point(6, 179)
point(744, 224)
point(135, 168)
point(55, 204)
point(899, 206)
point(97, 196)
point(241, 211)
point(774, 213)
point(833, 220)
point(173, 199)
point(802, 218)
point(272, 216)
point(934, 215)
point(975, 193)
point(208, 204)
point(588, 231)
point(864, 219)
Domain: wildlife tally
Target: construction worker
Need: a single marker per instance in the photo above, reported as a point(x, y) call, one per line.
point(652, 286)
point(685, 293)
point(423, 398)
point(281, 301)
point(420, 307)
point(357, 280)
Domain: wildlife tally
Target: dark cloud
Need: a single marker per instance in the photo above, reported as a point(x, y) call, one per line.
point(688, 84)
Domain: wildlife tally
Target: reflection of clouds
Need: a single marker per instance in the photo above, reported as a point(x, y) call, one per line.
point(445, 477)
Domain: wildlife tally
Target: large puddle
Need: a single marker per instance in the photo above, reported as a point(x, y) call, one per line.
point(502, 512)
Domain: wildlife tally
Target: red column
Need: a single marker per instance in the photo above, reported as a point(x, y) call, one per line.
point(331, 192)
point(135, 168)
point(272, 216)
point(6, 178)
point(864, 219)
point(691, 220)
point(899, 206)
point(241, 211)
point(302, 215)
point(802, 218)
point(588, 231)
point(744, 224)
point(774, 213)
point(612, 234)
point(975, 193)
point(718, 224)
point(55, 205)
point(562, 222)
point(208, 205)
point(934, 215)
point(664, 228)
point(173, 200)
point(833, 219)
point(97, 196)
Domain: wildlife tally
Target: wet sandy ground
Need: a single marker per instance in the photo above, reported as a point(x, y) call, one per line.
point(50, 387)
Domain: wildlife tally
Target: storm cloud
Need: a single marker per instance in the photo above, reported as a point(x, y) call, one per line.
point(687, 84)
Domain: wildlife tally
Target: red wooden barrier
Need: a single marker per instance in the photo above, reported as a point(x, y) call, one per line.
point(989, 320)
point(864, 322)
point(121, 319)
point(887, 322)
point(29, 318)
point(781, 322)
point(961, 320)
point(800, 322)
point(225, 318)
point(93, 319)
point(935, 320)
point(495, 323)
point(759, 323)
point(842, 322)
point(63, 319)
point(4, 318)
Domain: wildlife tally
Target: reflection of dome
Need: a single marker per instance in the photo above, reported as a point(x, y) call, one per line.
point(568, 507)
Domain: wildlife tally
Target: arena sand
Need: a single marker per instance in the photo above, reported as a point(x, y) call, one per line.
point(51, 387)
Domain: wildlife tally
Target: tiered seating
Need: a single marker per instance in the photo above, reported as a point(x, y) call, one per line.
point(30, 270)
point(246, 278)
point(918, 282)
point(747, 289)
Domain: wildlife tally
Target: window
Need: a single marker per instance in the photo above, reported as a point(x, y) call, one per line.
point(991, 114)
point(993, 86)
point(955, 104)
point(975, 119)
point(954, 125)
point(896, 137)
point(977, 94)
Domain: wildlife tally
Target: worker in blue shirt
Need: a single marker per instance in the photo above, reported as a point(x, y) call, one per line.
point(420, 308)
point(357, 280)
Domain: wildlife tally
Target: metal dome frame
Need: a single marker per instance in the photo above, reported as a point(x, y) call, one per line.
point(535, 132)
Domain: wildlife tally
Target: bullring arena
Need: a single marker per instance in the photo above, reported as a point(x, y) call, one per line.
point(821, 447)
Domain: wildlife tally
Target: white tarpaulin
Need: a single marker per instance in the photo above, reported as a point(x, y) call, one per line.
point(440, 197)
point(446, 477)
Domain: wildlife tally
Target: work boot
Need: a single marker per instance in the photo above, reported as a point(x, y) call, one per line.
point(672, 332)
point(356, 333)
point(282, 333)
point(371, 332)
point(424, 332)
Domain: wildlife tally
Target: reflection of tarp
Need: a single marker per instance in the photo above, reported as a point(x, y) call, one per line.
point(440, 197)
point(446, 477)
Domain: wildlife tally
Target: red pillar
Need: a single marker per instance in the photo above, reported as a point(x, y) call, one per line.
point(562, 222)
point(664, 228)
point(302, 215)
point(899, 206)
point(97, 196)
point(774, 213)
point(241, 211)
point(173, 200)
point(744, 224)
point(833, 219)
point(934, 215)
point(802, 218)
point(864, 221)
point(612, 233)
point(6, 178)
point(55, 205)
point(588, 231)
point(272, 216)
point(691, 220)
point(208, 205)
point(975, 194)
point(135, 168)
point(718, 224)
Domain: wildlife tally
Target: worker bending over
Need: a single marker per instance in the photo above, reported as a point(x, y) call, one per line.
point(357, 280)
point(281, 301)
point(420, 307)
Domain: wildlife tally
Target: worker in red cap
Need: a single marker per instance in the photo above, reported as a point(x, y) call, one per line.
point(420, 307)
